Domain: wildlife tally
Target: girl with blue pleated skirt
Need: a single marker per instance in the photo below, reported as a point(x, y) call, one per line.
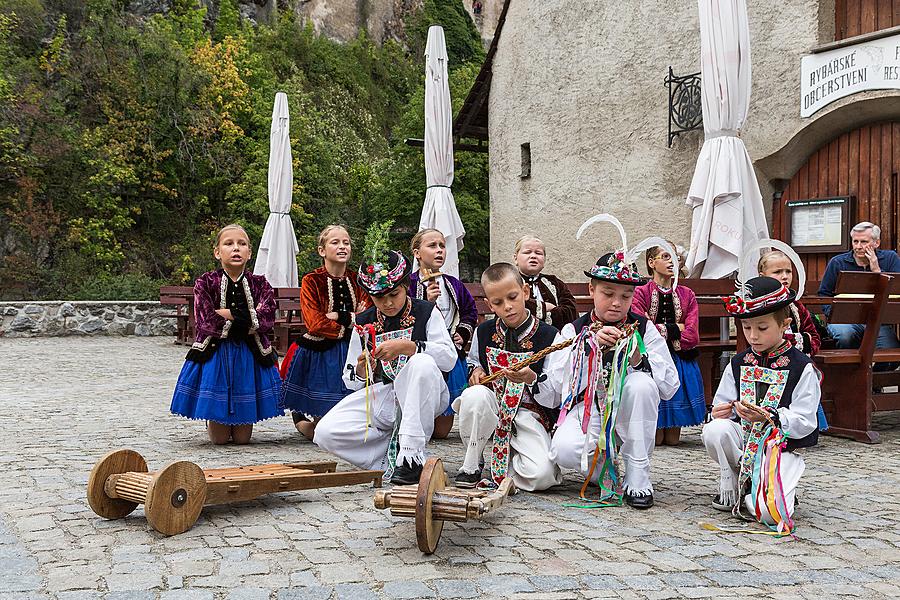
point(677, 318)
point(330, 297)
point(229, 377)
point(429, 247)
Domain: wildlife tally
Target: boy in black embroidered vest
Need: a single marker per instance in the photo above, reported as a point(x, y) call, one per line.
point(407, 349)
point(646, 381)
point(515, 413)
point(779, 379)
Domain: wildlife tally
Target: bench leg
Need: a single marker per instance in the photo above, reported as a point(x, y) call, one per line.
point(848, 391)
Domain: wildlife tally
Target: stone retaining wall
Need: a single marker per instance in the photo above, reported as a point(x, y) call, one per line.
point(56, 318)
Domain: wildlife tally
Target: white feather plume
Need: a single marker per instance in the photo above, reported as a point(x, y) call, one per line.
point(650, 242)
point(604, 218)
point(748, 268)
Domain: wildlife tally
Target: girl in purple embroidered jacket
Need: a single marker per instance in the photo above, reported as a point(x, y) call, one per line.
point(229, 377)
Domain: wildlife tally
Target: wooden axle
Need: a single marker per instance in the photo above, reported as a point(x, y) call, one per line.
point(431, 503)
point(174, 496)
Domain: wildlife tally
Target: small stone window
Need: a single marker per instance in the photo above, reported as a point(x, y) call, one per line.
point(526, 161)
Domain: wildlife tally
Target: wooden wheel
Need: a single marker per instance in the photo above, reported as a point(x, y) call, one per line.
point(175, 497)
point(428, 529)
point(117, 461)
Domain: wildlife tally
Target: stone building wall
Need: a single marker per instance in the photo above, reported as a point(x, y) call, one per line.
point(583, 83)
point(35, 319)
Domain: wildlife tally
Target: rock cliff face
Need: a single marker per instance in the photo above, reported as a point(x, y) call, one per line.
point(339, 20)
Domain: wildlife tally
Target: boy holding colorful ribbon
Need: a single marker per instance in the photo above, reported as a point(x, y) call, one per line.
point(764, 410)
point(396, 362)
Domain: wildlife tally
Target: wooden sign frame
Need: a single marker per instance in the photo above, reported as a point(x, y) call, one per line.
point(846, 203)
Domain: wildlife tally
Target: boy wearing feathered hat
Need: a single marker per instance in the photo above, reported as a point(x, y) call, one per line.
point(614, 386)
point(764, 409)
point(396, 363)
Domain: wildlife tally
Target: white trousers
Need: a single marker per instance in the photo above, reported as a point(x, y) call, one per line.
point(529, 462)
point(422, 395)
point(724, 443)
point(635, 428)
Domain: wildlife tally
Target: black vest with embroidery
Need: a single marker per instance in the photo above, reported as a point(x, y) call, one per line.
point(794, 362)
point(421, 311)
point(542, 337)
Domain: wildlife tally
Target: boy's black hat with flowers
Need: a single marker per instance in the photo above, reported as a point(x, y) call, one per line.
point(382, 270)
point(759, 296)
point(612, 268)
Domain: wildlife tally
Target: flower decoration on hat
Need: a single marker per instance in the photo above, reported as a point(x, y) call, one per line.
point(383, 269)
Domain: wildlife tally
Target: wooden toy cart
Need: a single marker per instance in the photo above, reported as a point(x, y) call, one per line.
point(431, 503)
point(174, 496)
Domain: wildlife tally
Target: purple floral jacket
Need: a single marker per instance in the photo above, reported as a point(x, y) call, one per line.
point(209, 295)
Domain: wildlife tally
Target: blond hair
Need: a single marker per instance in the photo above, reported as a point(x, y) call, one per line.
point(323, 235)
point(766, 258)
point(416, 241)
point(226, 228)
point(528, 238)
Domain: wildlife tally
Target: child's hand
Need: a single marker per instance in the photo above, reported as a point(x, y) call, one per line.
point(332, 315)
point(681, 327)
point(360, 306)
point(225, 313)
point(749, 414)
point(433, 291)
point(477, 375)
point(549, 306)
point(526, 376)
point(391, 349)
point(722, 411)
point(361, 365)
point(457, 341)
point(608, 335)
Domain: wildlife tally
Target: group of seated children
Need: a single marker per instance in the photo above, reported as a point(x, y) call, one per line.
point(383, 367)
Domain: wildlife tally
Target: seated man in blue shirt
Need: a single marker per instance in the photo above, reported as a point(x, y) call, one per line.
point(865, 256)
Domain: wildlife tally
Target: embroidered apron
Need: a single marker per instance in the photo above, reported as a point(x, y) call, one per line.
point(509, 397)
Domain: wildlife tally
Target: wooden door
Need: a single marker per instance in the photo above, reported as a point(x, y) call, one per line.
point(862, 163)
point(856, 17)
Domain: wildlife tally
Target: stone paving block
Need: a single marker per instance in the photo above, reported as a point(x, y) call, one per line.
point(407, 589)
point(249, 594)
point(554, 583)
point(354, 591)
point(305, 593)
point(187, 595)
point(502, 585)
point(456, 588)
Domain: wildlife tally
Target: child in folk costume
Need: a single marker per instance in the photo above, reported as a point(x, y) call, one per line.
point(313, 368)
point(514, 412)
point(397, 372)
point(763, 410)
point(802, 331)
point(229, 377)
point(674, 311)
point(615, 381)
point(549, 298)
point(456, 305)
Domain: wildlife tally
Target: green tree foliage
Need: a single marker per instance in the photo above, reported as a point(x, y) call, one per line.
point(126, 143)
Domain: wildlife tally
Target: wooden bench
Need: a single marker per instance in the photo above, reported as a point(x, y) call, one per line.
point(847, 386)
point(288, 319)
point(182, 298)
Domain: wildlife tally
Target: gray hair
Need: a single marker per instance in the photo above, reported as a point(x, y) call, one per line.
point(866, 226)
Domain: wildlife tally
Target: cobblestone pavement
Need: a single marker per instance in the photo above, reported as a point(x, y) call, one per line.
point(67, 401)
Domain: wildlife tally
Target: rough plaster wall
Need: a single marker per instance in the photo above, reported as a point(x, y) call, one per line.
point(582, 82)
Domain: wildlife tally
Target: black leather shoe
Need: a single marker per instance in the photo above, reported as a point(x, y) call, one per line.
point(406, 473)
point(467, 480)
point(639, 500)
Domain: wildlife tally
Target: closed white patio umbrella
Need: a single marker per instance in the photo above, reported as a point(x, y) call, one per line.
point(439, 211)
point(277, 255)
point(728, 215)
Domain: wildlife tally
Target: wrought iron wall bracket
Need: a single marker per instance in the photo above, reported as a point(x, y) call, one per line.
point(685, 104)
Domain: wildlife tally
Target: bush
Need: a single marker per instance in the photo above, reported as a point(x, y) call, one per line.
point(117, 287)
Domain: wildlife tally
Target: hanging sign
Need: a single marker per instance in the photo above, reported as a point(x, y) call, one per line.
point(829, 76)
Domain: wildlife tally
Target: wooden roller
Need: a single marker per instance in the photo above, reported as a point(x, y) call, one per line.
point(431, 503)
point(174, 496)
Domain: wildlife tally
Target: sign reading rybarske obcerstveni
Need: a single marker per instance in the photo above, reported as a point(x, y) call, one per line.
point(829, 76)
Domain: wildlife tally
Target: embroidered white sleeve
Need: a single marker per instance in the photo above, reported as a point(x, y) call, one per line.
point(727, 390)
point(555, 366)
point(664, 373)
point(472, 359)
point(440, 345)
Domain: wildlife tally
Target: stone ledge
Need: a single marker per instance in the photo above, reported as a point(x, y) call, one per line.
point(60, 318)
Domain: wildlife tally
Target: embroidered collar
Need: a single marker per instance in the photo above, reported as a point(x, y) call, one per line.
point(523, 332)
point(237, 281)
point(407, 319)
